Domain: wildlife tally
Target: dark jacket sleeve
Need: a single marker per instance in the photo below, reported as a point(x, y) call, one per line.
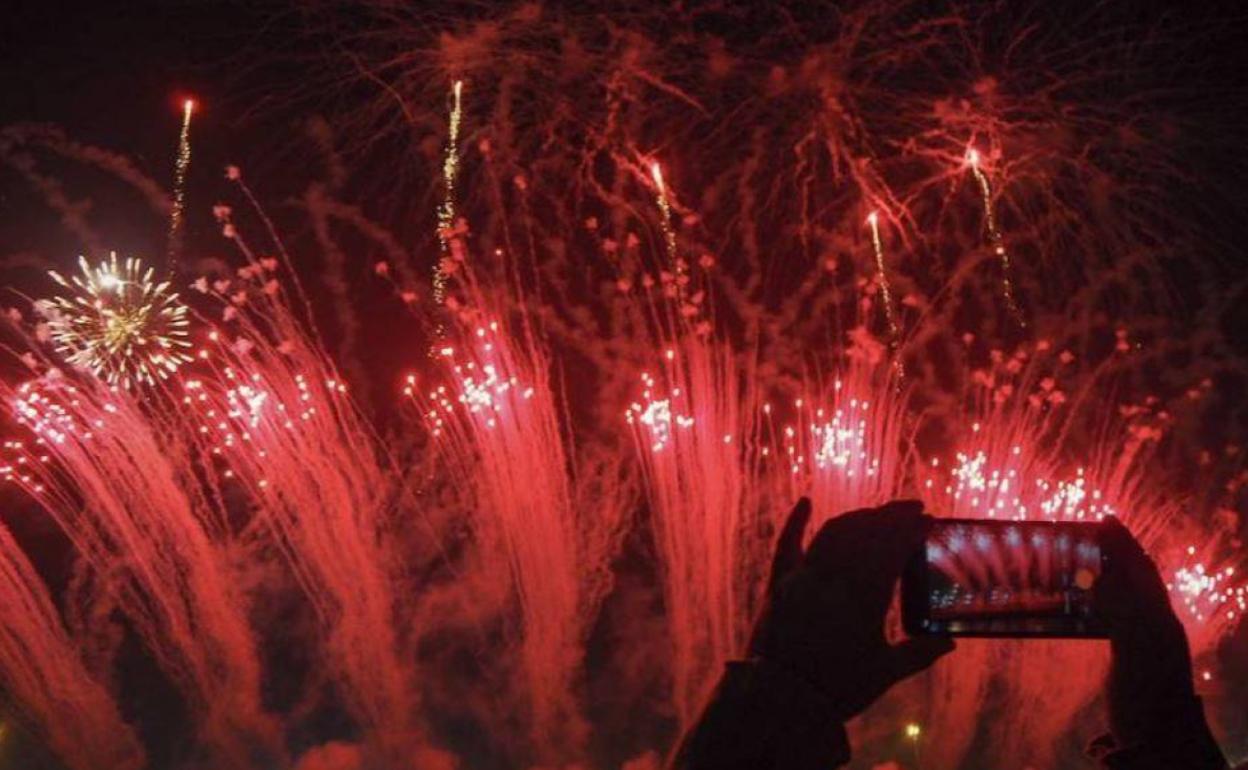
point(1180, 742)
point(762, 717)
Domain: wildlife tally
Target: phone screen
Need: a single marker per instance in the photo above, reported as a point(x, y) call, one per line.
point(1005, 578)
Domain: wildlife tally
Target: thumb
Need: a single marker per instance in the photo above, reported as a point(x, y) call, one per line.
point(914, 655)
point(789, 546)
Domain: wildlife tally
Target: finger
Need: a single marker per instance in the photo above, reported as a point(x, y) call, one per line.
point(867, 550)
point(1131, 584)
point(789, 546)
point(910, 528)
point(1117, 542)
point(914, 655)
point(879, 539)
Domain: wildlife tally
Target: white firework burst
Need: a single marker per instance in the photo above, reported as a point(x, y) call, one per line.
point(118, 323)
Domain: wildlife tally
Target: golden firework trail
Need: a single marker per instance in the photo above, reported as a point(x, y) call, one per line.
point(181, 165)
point(675, 263)
point(886, 293)
point(996, 238)
point(446, 210)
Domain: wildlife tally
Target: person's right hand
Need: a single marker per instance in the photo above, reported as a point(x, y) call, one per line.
point(1150, 678)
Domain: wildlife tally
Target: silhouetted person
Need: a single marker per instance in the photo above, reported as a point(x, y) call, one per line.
point(818, 654)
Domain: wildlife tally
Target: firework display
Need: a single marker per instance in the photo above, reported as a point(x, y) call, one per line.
point(143, 529)
point(693, 427)
point(54, 688)
point(539, 545)
point(118, 322)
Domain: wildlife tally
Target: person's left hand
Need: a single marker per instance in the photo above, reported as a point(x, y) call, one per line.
point(824, 618)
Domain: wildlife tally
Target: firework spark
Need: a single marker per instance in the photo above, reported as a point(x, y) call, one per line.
point(119, 323)
point(446, 210)
point(183, 162)
point(674, 263)
point(842, 450)
point(1207, 591)
point(995, 237)
point(500, 426)
point(270, 416)
point(499, 429)
point(886, 294)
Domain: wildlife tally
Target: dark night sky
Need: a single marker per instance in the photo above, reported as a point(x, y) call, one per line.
point(113, 75)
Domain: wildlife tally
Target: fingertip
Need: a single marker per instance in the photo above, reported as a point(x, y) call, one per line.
point(799, 517)
point(910, 522)
point(1117, 540)
point(1113, 527)
point(788, 554)
point(905, 507)
point(908, 516)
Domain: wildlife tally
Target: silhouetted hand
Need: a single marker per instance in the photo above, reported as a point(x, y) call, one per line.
point(1151, 674)
point(824, 619)
point(1157, 722)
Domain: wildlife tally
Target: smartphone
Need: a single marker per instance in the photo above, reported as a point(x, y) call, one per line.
point(988, 577)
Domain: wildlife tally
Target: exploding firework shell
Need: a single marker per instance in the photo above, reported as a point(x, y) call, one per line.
point(118, 323)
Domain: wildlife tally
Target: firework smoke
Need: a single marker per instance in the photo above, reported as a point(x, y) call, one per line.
point(549, 511)
point(42, 672)
point(125, 495)
point(694, 428)
point(272, 419)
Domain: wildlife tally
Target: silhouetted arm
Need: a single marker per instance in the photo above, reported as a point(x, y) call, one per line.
point(761, 717)
point(818, 654)
point(1156, 720)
